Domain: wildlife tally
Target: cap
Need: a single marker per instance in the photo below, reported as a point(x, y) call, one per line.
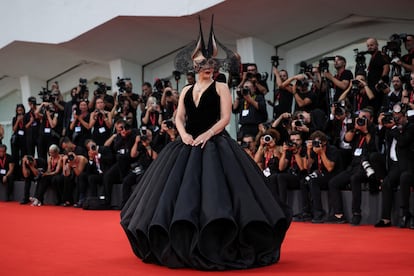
point(32, 100)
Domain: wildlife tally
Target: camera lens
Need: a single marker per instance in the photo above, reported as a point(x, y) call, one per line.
point(267, 138)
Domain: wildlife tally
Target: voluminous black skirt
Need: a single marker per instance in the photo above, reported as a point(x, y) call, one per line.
point(207, 209)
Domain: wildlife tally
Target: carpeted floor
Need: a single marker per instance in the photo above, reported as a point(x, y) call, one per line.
point(51, 240)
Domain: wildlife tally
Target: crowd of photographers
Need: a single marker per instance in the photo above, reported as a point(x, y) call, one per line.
point(327, 131)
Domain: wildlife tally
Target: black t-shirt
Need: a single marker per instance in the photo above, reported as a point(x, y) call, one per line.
point(332, 154)
point(345, 75)
point(4, 164)
point(375, 68)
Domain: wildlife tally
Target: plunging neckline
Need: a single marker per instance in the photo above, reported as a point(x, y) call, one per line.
point(197, 104)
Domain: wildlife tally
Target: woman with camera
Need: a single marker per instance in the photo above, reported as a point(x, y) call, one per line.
point(53, 176)
point(79, 126)
point(18, 139)
point(358, 93)
point(100, 122)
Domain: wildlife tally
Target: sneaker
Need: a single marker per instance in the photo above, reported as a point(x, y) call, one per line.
point(319, 218)
point(356, 219)
point(36, 202)
point(335, 219)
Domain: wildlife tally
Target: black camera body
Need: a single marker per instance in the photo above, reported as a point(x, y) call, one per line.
point(101, 88)
point(71, 157)
point(388, 118)
point(316, 143)
point(169, 123)
point(291, 144)
point(324, 64)
point(121, 83)
point(305, 68)
point(245, 91)
point(30, 158)
point(361, 121)
point(47, 96)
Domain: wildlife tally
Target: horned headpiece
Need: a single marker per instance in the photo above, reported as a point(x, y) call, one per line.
point(197, 52)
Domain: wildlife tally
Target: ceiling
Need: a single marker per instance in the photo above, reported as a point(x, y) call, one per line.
point(144, 40)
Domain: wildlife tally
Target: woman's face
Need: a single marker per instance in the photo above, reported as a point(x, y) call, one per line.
point(83, 106)
point(19, 110)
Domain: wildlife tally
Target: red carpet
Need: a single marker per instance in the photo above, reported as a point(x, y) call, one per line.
point(52, 240)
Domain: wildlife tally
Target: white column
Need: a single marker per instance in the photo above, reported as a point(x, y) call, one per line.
point(30, 87)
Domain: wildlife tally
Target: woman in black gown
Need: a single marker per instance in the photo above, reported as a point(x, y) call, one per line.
point(203, 203)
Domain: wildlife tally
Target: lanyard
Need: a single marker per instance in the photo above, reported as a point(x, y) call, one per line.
point(100, 119)
point(319, 164)
point(152, 118)
point(3, 162)
point(361, 141)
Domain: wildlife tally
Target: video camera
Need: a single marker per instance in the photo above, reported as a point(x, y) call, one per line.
point(47, 96)
point(393, 46)
point(101, 88)
point(324, 64)
point(305, 68)
point(360, 61)
point(121, 83)
point(275, 60)
point(259, 76)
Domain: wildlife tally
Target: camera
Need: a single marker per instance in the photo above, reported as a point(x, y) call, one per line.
point(388, 118)
point(143, 133)
point(71, 157)
point(305, 68)
point(46, 95)
point(168, 93)
point(355, 87)
point(290, 144)
point(360, 61)
point(101, 88)
point(394, 44)
point(93, 147)
point(361, 121)
point(275, 60)
point(324, 64)
point(369, 171)
point(121, 83)
point(267, 138)
point(259, 76)
point(245, 145)
point(316, 143)
point(30, 159)
point(299, 123)
point(245, 91)
point(169, 123)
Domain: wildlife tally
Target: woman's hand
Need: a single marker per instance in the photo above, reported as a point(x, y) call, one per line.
point(187, 139)
point(203, 138)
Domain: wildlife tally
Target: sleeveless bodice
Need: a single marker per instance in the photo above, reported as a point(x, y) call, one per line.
point(202, 117)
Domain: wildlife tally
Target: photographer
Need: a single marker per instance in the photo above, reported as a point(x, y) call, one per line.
point(301, 92)
point(251, 106)
point(378, 70)
point(101, 122)
point(323, 162)
point(122, 146)
point(31, 123)
point(142, 154)
point(283, 97)
point(358, 93)
point(362, 141)
point(340, 121)
point(7, 165)
point(125, 93)
point(48, 134)
point(407, 61)
point(51, 177)
point(341, 80)
point(18, 138)
point(79, 126)
point(258, 80)
point(152, 117)
point(73, 167)
point(122, 111)
point(168, 133)
point(31, 171)
point(408, 94)
point(101, 92)
point(392, 128)
point(169, 102)
point(292, 166)
point(392, 97)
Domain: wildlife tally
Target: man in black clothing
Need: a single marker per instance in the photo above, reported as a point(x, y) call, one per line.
point(362, 141)
point(378, 70)
point(400, 164)
point(283, 97)
point(6, 171)
point(341, 80)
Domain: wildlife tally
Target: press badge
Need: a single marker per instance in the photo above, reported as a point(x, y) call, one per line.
point(245, 112)
point(358, 152)
point(78, 129)
point(20, 132)
point(47, 129)
point(102, 130)
point(3, 171)
point(266, 172)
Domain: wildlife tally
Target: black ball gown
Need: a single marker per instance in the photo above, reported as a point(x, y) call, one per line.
point(206, 209)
